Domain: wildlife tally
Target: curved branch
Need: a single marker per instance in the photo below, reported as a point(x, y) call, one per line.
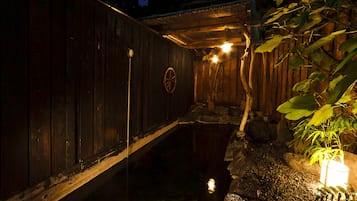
point(246, 85)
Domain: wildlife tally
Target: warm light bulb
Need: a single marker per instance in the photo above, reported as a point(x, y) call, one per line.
point(211, 185)
point(215, 59)
point(226, 47)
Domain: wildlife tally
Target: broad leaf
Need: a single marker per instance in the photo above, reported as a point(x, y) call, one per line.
point(354, 110)
point(314, 20)
point(345, 60)
point(345, 99)
point(298, 107)
point(295, 62)
point(319, 10)
point(321, 115)
point(341, 88)
point(298, 114)
point(277, 15)
point(318, 56)
point(334, 82)
point(343, 83)
point(278, 2)
point(281, 59)
point(349, 45)
point(322, 41)
point(271, 44)
point(303, 86)
point(317, 76)
point(280, 12)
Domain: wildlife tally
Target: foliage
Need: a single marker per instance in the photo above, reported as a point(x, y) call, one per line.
point(325, 108)
point(336, 194)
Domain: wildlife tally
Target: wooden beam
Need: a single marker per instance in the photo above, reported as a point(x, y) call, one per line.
point(61, 187)
point(202, 28)
point(194, 22)
point(213, 42)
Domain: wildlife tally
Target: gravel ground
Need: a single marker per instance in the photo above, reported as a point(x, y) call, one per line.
point(259, 172)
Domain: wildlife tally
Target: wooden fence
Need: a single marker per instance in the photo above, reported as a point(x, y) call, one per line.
point(271, 84)
point(64, 72)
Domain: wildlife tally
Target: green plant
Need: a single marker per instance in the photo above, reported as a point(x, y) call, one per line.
point(324, 108)
point(336, 194)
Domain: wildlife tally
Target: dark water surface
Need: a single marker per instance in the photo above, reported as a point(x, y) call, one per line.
point(177, 168)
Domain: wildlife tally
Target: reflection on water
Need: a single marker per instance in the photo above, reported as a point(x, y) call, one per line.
point(176, 169)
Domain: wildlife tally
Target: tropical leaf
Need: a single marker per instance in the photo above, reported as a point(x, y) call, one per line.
point(280, 12)
point(318, 56)
point(343, 83)
point(322, 41)
point(271, 44)
point(345, 60)
point(317, 76)
point(278, 2)
point(281, 59)
point(303, 86)
point(321, 115)
point(333, 83)
point(345, 99)
point(319, 10)
point(314, 20)
point(354, 110)
point(349, 45)
point(298, 107)
point(295, 62)
point(298, 114)
point(277, 15)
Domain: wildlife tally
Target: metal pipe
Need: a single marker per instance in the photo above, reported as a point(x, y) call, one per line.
point(130, 55)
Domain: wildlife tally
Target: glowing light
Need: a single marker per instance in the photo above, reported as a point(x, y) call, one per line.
point(226, 47)
point(334, 173)
point(211, 185)
point(215, 59)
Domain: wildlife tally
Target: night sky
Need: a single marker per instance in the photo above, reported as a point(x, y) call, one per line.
point(144, 8)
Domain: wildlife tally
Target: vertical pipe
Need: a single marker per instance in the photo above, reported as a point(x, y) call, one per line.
point(130, 55)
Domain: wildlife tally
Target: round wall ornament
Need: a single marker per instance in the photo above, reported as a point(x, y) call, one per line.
point(170, 80)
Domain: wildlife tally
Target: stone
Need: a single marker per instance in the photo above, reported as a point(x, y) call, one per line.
point(234, 147)
point(299, 162)
point(351, 163)
point(284, 134)
point(220, 110)
point(259, 131)
point(233, 197)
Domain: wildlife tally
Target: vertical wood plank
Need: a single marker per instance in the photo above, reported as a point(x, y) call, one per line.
point(111, 83)
point(86, 80)
point(272, 82)
point(14, 98)
point(256, 80)
point(100, 21)
point(285, 75)
point(73, 151)
point(281, 80)
point(137, 65)
point(58, 105)
point(234, 80)
point(264, 85)
point(40, 92)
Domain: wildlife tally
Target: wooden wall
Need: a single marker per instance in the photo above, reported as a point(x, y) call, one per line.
point(271, 84)
point(64, 71)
